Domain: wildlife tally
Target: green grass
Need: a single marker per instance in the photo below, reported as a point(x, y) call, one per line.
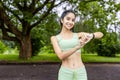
point(96, 58)
point(53, 58)
point(39, 58)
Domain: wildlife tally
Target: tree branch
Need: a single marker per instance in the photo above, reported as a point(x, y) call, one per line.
point(19, 6)
point(25, 4)
point(41, 7)
point(32, 5)
point(60, 3)
point(9, 38)
point(12, 12)
point(5, 34)
point(44, 15)
point(4, 17)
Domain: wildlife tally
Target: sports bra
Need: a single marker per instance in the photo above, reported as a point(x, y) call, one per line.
point(67, 44)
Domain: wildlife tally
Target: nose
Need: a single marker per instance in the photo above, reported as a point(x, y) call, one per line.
point(71, 22)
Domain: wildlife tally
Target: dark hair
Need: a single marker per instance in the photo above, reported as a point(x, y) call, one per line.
point(64, 14)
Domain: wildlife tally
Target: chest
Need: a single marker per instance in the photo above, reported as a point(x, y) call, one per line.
point(67, 44)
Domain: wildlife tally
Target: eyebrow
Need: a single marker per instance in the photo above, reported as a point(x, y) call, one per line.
point(69, 17)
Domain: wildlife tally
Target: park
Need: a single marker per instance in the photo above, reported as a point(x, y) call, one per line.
point(26, 27)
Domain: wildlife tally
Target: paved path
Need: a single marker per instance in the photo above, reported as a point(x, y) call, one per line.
point(49, 72)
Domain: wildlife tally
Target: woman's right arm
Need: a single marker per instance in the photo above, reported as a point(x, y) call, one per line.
point(62, 54)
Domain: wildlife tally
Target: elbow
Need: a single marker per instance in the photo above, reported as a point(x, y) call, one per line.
point(61, 57)
point(98, 35)
point(101, 34)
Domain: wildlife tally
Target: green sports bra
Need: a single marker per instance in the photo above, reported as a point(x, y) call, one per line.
point(67, 44)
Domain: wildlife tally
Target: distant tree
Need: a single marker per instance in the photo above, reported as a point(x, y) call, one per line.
point(47, 28)
point(19, 17)
point(98, 15)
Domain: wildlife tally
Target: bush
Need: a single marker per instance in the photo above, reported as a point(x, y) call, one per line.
point(3, 48)
point(46, 49)
point(108, 50)
point(36, 45)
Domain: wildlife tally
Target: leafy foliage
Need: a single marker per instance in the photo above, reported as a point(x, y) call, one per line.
point(3, 47)
point(98, 15)
point(19, 17)
point(22, 20)
point(42, 33)
point(109, 50)
point(110, 46)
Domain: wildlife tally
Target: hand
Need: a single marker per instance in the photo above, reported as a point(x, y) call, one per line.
point(80, 45)
point(89, 37)
point(86, 38)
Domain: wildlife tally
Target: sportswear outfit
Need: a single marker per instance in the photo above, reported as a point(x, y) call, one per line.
point(68, 73)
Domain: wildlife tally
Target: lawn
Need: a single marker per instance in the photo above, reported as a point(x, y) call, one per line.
point(96, 58)
point(53, 58)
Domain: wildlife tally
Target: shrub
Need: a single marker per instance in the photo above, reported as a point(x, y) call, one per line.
point(108, 50)
point(36, 45)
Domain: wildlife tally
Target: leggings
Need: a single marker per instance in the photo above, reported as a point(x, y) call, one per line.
point(72, 74)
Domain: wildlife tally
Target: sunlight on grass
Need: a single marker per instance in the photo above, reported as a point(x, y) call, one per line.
point(39, 58)
point(96, 58)
point(53, 58)
point(46, 57)
point(8, 56)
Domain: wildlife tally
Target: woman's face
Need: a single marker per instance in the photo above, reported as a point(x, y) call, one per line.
point(68, 21)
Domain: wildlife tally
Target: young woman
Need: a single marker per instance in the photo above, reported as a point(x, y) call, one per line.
point(67, 45)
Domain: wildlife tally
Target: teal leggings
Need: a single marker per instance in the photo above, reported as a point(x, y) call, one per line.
point(72, 74)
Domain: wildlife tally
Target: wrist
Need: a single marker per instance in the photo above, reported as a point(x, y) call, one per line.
point(93, 35)
point(77, 48)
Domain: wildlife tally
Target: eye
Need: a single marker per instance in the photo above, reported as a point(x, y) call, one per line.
point(73, 20)
point(68, 18)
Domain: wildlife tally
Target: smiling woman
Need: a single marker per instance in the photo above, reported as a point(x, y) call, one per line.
point(67, 45)
point(67, 20)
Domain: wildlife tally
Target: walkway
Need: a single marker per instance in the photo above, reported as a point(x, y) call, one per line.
point(49, 72)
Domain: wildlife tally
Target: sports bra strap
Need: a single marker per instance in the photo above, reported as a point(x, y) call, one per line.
point(58, 37)
point(75, 35)
point(68, 44)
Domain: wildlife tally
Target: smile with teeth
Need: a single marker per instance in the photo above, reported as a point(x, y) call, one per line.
point(69, 25)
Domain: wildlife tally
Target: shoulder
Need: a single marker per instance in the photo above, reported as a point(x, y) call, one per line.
point(53, 37)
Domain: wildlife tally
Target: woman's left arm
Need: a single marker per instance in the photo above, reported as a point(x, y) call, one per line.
point(86, 37)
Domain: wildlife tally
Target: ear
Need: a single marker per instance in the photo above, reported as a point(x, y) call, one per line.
point(61, 20)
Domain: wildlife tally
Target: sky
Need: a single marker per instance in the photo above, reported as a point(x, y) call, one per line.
point(60, 10)
point(118, 14)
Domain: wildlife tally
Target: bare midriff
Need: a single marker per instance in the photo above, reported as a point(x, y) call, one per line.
point(74, 61)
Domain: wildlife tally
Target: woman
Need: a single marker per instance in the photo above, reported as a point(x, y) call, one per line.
point(67, 45)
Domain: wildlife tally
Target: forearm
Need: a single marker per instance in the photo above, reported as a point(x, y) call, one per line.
point(68, 53)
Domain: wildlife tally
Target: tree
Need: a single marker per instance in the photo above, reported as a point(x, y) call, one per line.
point(19, 17)
point(47, 28)
point(98, 16)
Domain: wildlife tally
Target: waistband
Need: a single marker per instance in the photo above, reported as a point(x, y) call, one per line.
point(70, 69)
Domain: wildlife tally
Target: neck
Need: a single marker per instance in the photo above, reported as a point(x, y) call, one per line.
point(65, 31)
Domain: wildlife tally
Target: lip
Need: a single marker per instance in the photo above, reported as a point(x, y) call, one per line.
point(69, 25)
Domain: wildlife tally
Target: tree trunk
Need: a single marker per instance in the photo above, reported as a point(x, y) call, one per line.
point(25, 48)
